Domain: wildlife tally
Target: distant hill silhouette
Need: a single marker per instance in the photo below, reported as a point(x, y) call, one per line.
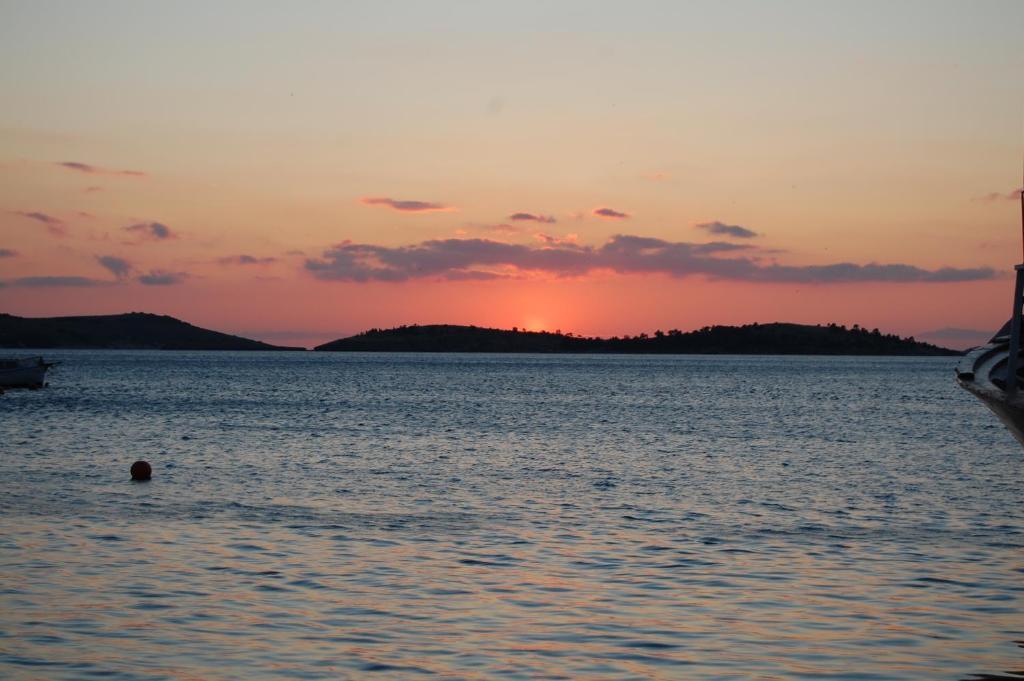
point(754, 339)
point(137, 330)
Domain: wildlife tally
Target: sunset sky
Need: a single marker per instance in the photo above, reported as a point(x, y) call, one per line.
point(300, 172)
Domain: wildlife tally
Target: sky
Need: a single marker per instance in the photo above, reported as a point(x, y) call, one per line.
point(298, 172)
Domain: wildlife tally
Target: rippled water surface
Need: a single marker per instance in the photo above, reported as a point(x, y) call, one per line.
point(485, 516)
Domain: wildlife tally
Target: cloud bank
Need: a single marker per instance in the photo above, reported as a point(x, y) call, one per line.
point(404, 206)
point(119, 267)
point(48, 282)
point(456, 259)
point(721, 229)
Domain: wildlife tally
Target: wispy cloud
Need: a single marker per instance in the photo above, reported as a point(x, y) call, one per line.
point(94, 188)
point(54, 226)
point(656, 176)
point(610, 214)
point(48, 282)
point(557, 240)
point(7, 253)
point(503, 228)
point(246, 260)
point(162, 278)
point(721, 229)
point(119, 267)
point(97, 170)
point(474, 275)
point(623, 254)
point(530, 217)
point(39, 217)
point(152, 231)
point(999, 196)
point(405, 206)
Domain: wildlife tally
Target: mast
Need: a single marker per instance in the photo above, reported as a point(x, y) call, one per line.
point(1013, 359)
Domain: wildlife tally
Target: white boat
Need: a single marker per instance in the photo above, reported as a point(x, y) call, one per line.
point(993, 372)
point(23, 372)
point(985, 371)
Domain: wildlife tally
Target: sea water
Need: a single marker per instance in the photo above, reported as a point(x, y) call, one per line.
point(507, 516)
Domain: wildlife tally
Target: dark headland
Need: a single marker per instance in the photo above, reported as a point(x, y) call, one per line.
point(751, 339)
point(143, 331)
point(136, 330)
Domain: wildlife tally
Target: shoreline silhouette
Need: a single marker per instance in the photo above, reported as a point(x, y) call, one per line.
point(144, 331)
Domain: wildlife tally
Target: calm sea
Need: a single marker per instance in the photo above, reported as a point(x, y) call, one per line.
point(507, 516)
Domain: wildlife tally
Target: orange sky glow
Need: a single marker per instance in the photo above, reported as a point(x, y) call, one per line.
point(603, 173)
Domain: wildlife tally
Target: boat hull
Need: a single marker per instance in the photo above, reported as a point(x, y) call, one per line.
point(982, 372)
point(23, 373)
point(1012, 415)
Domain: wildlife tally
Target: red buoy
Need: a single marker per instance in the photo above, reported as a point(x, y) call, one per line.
point(141, 470)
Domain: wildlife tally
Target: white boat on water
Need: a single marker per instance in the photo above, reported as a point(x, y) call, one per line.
point(993, 372)
point(23, 372)
point(986, 372)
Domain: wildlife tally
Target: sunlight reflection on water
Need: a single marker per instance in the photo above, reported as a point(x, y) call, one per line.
point(319, 516)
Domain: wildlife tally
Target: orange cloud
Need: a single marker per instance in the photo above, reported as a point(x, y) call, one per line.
point(505, 228)
point(557, 240)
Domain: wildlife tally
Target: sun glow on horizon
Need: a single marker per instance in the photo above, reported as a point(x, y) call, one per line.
point(534, 324)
